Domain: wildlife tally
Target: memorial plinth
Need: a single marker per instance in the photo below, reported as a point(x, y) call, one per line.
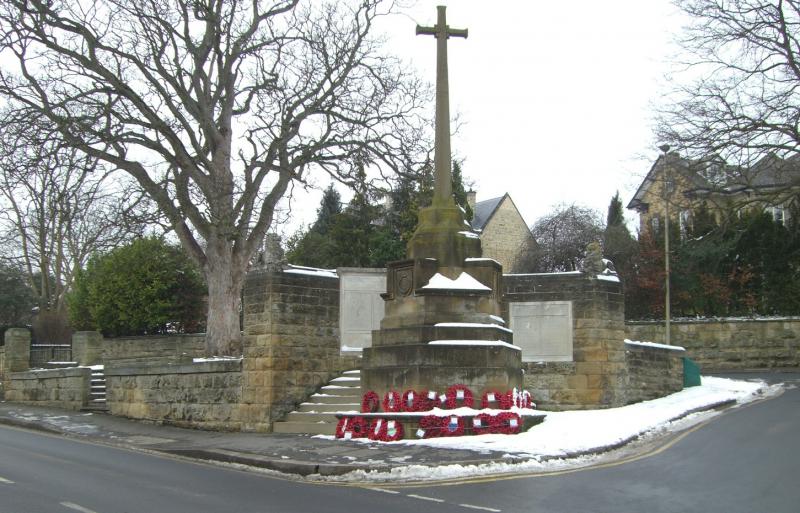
point(442, 323)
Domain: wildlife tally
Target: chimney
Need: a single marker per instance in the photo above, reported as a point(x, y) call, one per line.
point(471, 197)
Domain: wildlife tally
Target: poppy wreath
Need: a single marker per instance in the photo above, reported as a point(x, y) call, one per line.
point(370, 402)
point(456, 394)
point(391, 402)
point(507, 400)
point(341, 427)
point(492, 398)
point(383, 430)
point(355, 427)
point(413, 401)
point(430, 426)
point(507, 423)
point(452, 425)
point(483, 424)
point(431, 400)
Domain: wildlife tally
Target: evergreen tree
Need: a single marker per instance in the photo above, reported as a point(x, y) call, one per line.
point(315, 247)
point(143, 288)
point(329, 208)
point(619, 245)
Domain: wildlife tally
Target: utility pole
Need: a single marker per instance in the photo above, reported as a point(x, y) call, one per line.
point(665, 149)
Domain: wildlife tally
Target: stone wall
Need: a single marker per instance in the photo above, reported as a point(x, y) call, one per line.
point(153, 349)
point(652, 371)
point(597, 375)
point(291, 342)
point(2, 370)
point(201, 395)
point(61, 388)
point(505, 235)
point(729, 344)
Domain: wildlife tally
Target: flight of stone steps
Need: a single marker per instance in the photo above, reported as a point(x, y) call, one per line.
point(316, 417)
point(97, 391)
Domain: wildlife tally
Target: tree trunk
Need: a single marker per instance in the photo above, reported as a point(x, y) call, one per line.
point(225, 280)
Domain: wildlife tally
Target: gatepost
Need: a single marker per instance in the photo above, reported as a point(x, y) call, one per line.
point(87, 348)
point(18, 350)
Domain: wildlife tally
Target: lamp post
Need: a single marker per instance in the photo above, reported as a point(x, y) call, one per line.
point(665, 149)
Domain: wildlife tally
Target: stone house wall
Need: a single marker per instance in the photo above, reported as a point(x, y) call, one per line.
point(291, 342)
point(597, 374)
point(505, 235)
point(729, 344)
point(201, 395)
point(61, 388)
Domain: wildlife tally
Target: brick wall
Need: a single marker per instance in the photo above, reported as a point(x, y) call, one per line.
point(505, 235)
point(61, 388)
point(291, 342)
point(729, 344)
point(201, 395)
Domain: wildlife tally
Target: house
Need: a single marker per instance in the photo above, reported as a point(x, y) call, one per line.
point(502, 229)
point(772, 184)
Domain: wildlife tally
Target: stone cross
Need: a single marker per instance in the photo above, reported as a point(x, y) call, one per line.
point(443, 188)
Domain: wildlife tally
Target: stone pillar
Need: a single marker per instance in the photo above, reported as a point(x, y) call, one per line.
point(87, 348)
point(18, 350)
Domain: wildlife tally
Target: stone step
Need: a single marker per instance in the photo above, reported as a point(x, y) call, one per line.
point(310, 428)
point(311, 418)
point(334, 399)
point(341, 390)
point(347, 381)
point(327, 407)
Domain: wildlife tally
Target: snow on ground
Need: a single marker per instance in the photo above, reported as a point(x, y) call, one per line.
point(572, 438)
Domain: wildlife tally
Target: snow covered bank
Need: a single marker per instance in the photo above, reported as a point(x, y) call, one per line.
point(577, 434)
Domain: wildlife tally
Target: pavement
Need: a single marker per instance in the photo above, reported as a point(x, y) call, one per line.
point(302, 455)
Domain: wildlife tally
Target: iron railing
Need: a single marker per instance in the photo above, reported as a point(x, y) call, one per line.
point(42, 354)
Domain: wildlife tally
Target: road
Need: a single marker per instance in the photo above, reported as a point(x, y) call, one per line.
point(746, 460)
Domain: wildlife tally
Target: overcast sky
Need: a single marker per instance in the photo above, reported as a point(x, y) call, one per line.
point(555, 97)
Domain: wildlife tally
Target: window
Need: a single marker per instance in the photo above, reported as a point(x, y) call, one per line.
point(778, 215)
point(685, 221)
point(655, 224)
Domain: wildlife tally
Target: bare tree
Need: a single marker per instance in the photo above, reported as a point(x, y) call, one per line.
point(561, 239)
point(58, 209)
point(736, 96)
point(215, 107)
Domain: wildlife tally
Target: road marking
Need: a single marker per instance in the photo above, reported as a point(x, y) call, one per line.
point(77, 507)
point(392, 492)
point(422, 497)
point(6, 481)
point(482, 508)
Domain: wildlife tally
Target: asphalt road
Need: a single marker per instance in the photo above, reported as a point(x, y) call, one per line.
point(747, 460)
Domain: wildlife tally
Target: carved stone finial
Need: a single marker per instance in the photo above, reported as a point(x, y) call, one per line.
point(593, 261)
point(273, 256)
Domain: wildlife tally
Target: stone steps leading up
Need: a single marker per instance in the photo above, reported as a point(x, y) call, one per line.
point(316, 416)
point(97, 392)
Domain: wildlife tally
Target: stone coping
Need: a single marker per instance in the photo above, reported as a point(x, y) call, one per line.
point(719, 320)
point(168, 336)
point(68, 372)
point(648, 346)
point(182, 368)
